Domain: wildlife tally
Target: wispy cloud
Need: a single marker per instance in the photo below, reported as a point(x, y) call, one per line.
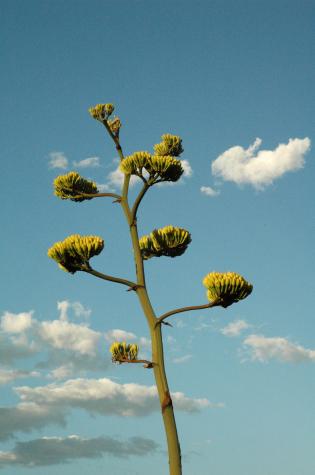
point(208, 191)
point(182, 359)
point(90, 162)
point(58, 160)
point(59, 450)
point(235, 328)
point(262, 348)
point(78, 309)
point(260, 168)
point(7, 376)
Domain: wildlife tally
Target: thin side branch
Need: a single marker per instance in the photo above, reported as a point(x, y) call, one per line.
point(115, 139)
point(138, 201)
point(98, 195)
point(185, 309)
point(147, 364)
point(111, 278)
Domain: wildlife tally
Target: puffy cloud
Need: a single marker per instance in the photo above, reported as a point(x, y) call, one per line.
point(116, 179)
point(260, 168)
point(235, 328)
point(58, 160)
point(58, 450)
point(188, 171)
point(88, 162)
point(69, 336)
point(104, 396)
point(13, 349)
point(207, 190)
point(264, 349)
point(16, 322)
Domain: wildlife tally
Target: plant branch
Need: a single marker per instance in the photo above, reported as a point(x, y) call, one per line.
point(115, 139)
point(147, 364)
point(138, 201)
point(97, 195)
point(161, 319)
point(111, 278)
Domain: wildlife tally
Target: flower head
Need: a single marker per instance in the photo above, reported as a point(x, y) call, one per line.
point(226, 287)
point(123, 351)
point(135, 163)
point(115, 125)
point(169, 241)
point(72, 185)
point(170, 145)
point(159, 168)
point(101, 112)
point(75, 251)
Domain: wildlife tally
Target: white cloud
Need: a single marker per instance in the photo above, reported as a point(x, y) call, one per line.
point(187, 169)
point(207, 190)
point(60, 450)
point(116, 179)
point(88, 162)
point(182, 359)
point(104, 396)
point(69, 336)
point(16, 322)
point(235, 328)
point(77, 307)
point(260, 168)
point(119, 335)
point(263, 349)
point(6, 376)
point(58, 160)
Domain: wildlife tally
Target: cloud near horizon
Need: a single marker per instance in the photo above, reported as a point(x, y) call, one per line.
point(260, 168)
point(47, 451)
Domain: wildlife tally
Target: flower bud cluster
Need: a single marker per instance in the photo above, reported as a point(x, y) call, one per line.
point(122, 350)
point(162, 168)
point(72, 185)
point(226, 288)
point(75, 251)
point(169, 241)
point(170, 145)
point(101, 112)
point(115, 125)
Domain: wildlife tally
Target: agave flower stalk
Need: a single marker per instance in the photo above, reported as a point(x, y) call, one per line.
point(74, 254)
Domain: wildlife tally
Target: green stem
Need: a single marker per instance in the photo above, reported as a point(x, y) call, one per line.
point(118, 280)
point(175, 467)
point(161, 319)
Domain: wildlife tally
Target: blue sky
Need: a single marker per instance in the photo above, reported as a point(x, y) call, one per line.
point(235, 81)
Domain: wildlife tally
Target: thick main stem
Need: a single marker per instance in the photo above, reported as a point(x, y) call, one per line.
point(175, 467)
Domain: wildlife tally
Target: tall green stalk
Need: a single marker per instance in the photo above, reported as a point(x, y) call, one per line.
point(174, 453)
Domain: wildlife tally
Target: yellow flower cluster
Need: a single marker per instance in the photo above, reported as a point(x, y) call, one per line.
point(168, 241)
point(72, 185)
point(162, 168)
point(75, 251)
point(101, 112)
point(226, 287)
point(115, 125)
point(122, 350)
point(170, 145)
